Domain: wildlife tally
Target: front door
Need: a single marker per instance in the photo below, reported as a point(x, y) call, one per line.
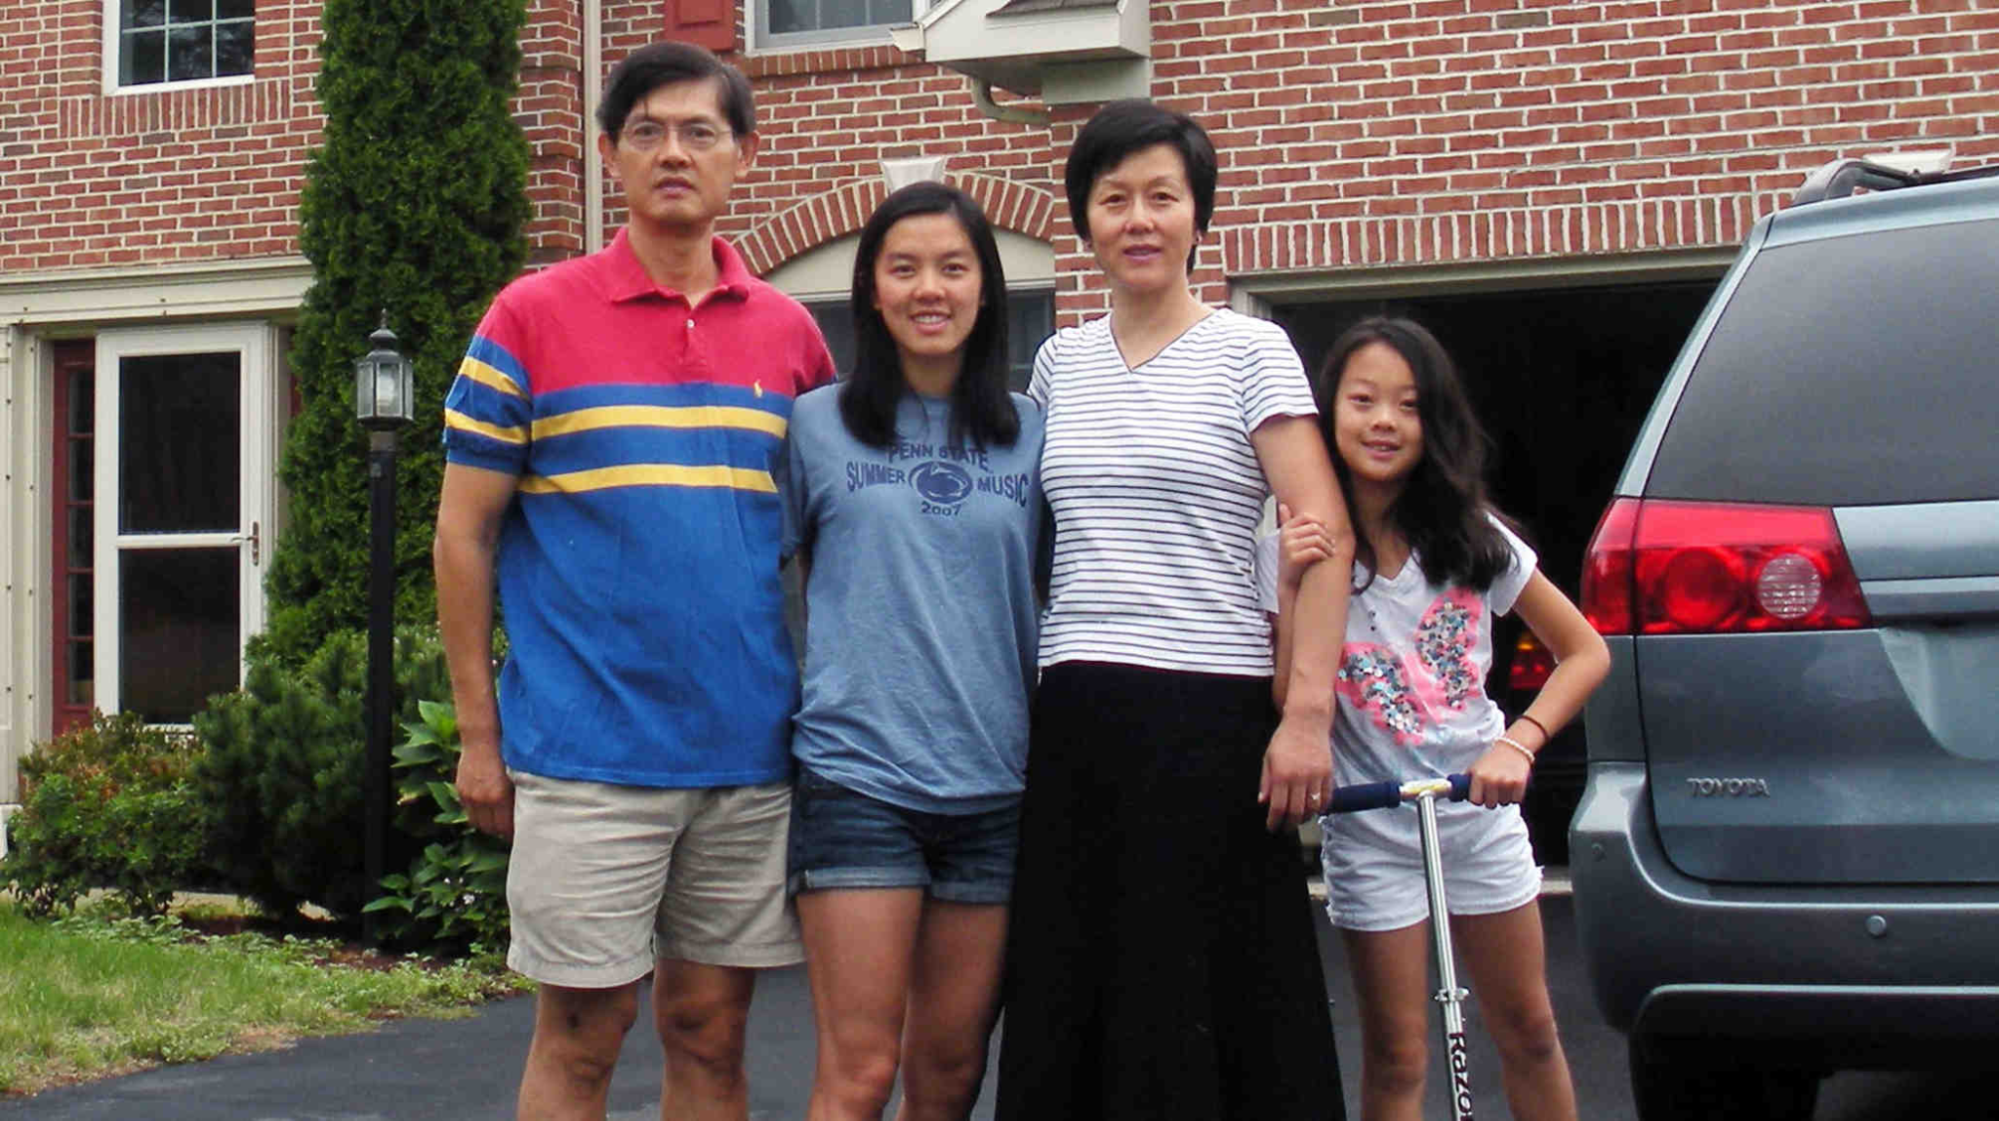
point(185, 449)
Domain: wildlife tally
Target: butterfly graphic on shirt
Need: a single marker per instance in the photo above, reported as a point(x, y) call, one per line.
point(1405, 696)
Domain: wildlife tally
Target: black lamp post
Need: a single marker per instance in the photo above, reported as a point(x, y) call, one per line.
point(383, 388)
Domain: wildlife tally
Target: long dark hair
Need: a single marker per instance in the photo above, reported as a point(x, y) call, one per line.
point(981, 408)
point(1442, 511)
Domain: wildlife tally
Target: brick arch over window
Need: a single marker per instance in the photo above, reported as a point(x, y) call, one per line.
point(1024, 209)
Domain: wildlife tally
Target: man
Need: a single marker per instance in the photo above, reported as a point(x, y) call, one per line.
point(611, 440)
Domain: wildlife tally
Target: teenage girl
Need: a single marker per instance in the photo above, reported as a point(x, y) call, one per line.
point(914, 504)
point(1433, 565)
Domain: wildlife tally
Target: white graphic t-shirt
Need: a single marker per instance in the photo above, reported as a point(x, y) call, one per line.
point(1411, 689)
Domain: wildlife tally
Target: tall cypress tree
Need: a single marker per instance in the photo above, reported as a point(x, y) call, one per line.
point(414, 204)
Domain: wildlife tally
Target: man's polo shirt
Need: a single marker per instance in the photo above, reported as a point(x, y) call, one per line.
point(638, 564)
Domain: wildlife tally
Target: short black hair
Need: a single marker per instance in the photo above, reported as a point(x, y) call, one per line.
point(982, 410)
point(1124, 127)
point(664, 64)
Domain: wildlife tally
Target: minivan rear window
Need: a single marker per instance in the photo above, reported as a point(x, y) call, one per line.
point(1851, 371)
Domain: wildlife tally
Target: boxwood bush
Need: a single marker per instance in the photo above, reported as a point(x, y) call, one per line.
point(107, 805)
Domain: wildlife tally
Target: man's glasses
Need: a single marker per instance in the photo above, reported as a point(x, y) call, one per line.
point(695, 136)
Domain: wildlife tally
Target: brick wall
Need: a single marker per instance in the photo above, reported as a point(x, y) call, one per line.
point(180, 175)
point(1352, 133)
point(1432, 131)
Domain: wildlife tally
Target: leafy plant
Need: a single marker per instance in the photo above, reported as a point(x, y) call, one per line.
point(281, 779)
point(455, 893)
point(106, 805)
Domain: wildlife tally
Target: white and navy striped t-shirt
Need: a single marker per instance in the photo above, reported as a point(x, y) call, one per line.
point(1157, 493)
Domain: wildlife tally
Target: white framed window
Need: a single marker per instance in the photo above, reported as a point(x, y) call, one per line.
point(152, 43)
point(186, 424)
point(783, 24)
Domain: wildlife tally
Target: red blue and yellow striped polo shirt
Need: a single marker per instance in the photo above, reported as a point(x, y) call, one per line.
point(638, 565)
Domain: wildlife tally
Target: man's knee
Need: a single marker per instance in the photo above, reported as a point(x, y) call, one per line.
point(578, 1032)
point(707, 1027)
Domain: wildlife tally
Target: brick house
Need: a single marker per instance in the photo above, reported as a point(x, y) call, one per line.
point(1554, 184)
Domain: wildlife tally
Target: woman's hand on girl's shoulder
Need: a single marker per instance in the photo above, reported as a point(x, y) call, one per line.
point(1302, 541)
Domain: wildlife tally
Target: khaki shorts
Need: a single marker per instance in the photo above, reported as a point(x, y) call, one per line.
point(606, 880)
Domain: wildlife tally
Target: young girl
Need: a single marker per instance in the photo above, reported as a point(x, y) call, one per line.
point(1433, 565)
point(914, 500)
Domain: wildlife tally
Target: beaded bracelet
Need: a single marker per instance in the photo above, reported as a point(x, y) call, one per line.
point(1515, 745)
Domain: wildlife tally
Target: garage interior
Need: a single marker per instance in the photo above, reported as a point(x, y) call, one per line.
point(1562, 379)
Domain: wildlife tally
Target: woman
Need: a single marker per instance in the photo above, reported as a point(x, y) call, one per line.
point(1161, 959)
point(915, 506)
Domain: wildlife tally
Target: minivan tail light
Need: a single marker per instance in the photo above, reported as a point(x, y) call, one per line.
point(1607, 569)
point(1716, 567)
point(1531, 666)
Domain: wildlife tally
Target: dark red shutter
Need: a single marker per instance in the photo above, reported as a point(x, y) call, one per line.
point(711, 23)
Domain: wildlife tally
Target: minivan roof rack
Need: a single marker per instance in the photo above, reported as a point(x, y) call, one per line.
point(1840, 178)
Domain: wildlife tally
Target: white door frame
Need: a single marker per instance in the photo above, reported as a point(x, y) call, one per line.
point(258, 421)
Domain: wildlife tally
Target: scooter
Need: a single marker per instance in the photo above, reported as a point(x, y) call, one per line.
point(1425, 792)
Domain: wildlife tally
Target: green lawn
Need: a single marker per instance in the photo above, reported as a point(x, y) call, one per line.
point(90, 996)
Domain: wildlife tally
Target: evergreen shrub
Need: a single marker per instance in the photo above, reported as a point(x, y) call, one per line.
point(281, 777)
point(106, 805)
point(415, 204)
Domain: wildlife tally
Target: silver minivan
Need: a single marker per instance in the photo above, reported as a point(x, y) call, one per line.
point(1786, 858)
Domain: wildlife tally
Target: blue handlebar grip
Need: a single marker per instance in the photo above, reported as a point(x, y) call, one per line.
point(1460, 787)
point(1365, 796)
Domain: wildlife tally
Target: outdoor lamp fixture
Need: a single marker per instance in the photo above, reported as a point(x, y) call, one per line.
point(384, 392)
point(383, 383)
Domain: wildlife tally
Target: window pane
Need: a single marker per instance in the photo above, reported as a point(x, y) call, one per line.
point(836, 322)
point(888, 11)
point(190, 53)
point(82, 536)
point(82, 400)
point(82, 471)
point(1030, 320)
point(190, 11)
point(1850, 371)
point(81, 604)
point(235, 9)
point(143, 59)
point(235, 47)
point(142, 13)
point(178, 630)
point(843, 13)
point(81, 671)
point(792, 15)
point(178, 449)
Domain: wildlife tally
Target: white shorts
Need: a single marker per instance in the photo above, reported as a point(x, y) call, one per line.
point(1377, 885)
point(606, 880)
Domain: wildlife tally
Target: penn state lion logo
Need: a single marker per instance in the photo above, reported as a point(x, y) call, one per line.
point(941, 484)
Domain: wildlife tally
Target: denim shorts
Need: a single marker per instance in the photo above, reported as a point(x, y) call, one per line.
point(841, 838)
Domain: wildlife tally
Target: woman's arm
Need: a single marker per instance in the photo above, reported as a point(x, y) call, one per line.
point(1301, 543)
point(1297, 767)
point(1581, 662)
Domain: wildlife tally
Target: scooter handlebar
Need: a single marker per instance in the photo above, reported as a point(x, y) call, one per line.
point(1380, 795)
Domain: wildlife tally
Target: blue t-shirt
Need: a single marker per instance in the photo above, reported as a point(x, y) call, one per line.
point(920, 610)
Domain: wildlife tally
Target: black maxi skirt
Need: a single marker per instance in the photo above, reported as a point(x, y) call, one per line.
point(1160, 960)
